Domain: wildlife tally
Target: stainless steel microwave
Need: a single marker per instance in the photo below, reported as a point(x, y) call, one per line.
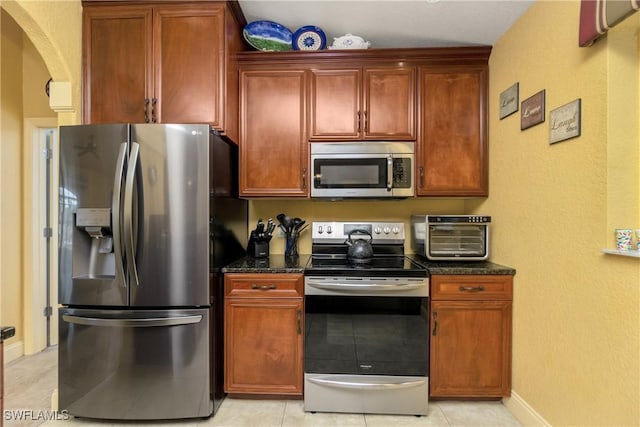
point(368, 169)
point(451, 237)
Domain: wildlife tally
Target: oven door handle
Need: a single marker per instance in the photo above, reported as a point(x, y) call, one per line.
point(367, 385)
point(398, 286)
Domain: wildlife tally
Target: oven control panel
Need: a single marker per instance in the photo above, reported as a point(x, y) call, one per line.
point(381, 232)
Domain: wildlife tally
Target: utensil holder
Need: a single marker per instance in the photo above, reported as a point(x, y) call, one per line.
point(291, 244)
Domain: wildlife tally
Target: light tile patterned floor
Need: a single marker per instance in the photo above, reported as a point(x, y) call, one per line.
point(31, 380)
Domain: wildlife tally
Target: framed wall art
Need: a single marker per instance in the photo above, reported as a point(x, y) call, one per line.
point(532, 110)
point(564, 122)
point(509, 101)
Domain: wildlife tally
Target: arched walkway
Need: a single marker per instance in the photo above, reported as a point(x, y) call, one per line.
point(55, 29)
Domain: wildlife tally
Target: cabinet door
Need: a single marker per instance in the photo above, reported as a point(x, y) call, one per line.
point(389, 111)
point(452, 147)
point(263, 346)
point(335, 111)
point(273, 148)
point(117, 57)
point(352, 104)
point(470, 348)
point(188, 60)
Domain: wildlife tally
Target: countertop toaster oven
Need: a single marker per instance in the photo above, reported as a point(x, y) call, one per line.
point(451, 237)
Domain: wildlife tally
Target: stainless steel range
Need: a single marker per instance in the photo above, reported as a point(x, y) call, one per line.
point(367, 322)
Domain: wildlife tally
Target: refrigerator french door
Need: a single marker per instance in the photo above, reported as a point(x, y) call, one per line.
point(134, 271)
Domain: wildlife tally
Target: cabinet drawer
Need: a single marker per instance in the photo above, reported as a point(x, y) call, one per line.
point(265, 285)
point(472, 287)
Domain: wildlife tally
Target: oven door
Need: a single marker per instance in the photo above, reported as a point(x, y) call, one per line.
point(366, 351)
point(362, 175)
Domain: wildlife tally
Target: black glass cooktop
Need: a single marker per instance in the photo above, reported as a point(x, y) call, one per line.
point(381, 266)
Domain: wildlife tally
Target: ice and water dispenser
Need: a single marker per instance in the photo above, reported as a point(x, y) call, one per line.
point(93, 255)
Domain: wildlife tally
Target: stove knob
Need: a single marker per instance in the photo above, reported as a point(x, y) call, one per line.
point(329, 231)
point(387, 230)
point(395, 230)
point(320, 230)
point(377, 230)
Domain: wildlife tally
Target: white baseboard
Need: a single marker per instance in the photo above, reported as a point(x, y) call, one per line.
point(520, 409)
point(13, 351)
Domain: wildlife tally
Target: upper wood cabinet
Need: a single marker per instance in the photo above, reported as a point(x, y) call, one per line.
point(451, 151)
point(274, 153)
point(161, 62)
point(355, 103)
point(436, 97)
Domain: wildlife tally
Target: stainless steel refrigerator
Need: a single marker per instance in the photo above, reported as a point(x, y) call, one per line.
point(148, 216)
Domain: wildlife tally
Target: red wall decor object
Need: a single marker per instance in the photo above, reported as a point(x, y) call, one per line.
point(598, 16)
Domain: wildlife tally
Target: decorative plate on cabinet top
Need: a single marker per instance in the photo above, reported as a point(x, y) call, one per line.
point(309, 37)
point(268, 36)
point(349, 41)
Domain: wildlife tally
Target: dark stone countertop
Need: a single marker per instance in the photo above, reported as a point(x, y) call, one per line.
point(462, 267)
point(273, 264)
point(7, 332)
point(280, 264)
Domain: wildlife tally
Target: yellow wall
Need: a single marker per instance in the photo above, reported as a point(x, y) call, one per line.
point(576, 325)
point(10, 187)
point(35, 77)
point(389, 210)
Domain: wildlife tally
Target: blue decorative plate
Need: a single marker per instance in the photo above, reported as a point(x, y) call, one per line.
point(309, 37)
point(268, 36)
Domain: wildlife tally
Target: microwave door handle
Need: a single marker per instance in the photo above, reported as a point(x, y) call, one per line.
point(389, 173)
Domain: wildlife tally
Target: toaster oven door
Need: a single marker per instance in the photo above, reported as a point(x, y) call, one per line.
point(457, 242)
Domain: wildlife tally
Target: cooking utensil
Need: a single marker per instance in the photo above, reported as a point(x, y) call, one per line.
point(360, 250)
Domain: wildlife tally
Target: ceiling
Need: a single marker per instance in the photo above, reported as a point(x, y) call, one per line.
point(396, 23)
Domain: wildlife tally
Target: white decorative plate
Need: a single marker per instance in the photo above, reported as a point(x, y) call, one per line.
point(349, 41)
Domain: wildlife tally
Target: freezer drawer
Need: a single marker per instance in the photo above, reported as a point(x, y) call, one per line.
point(134, 364)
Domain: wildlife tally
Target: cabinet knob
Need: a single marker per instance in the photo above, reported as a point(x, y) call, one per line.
point(359, 119)
point(146, 110)
point(471, 288)
point(366, 123)
point(304, 178)
point(154, 101)
point(434, 332)
point(263, 287)
point(421, 175)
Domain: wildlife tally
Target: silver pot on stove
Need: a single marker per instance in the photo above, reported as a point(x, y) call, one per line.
point(359, 250)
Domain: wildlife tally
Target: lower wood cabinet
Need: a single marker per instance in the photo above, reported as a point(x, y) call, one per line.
point(263, 340)
point(470, 347)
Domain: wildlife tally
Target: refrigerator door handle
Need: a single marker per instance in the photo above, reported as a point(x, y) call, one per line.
point(116, 214)
point(132, 323)
point(128, 213)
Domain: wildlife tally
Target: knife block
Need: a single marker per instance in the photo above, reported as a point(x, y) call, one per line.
point(258, 249)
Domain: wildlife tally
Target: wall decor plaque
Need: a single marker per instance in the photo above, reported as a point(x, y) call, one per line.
point(564, 122)
point(509, 101)
point(532, 110)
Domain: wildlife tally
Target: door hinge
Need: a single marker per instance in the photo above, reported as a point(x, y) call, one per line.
point(48, 312)
point(47, 232)
point(47, 153)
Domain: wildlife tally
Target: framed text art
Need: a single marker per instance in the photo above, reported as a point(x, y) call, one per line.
point(509, 101)
point(564, 122)
point(532, 110)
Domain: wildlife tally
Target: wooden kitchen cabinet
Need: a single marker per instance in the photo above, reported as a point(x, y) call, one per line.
point(165, 62)
point(470, 347)
point(451, 152)
point(362, 103)
point(274, 155)
point(263, 339)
